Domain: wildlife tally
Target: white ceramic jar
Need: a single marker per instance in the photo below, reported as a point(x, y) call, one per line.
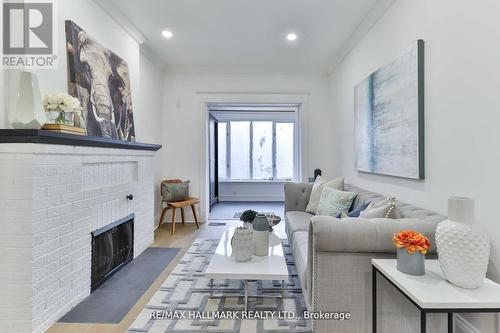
point(242, 244)
point(463, 249)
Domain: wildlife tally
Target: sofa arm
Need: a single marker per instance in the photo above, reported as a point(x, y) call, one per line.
point(328, 234)
point(297, 196)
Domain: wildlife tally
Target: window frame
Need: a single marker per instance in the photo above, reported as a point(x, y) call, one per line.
point(274, 151)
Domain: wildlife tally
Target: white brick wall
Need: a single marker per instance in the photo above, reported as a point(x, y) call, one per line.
point(51, 198)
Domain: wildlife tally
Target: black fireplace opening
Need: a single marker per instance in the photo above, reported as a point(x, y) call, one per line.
point(112, 248)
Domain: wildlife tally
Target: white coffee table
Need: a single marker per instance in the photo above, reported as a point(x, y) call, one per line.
point(223, 265)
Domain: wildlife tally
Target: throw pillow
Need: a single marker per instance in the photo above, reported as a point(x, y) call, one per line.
point(319, 184)
point(382, 209)
point(172, 192)
point(355, 212)
point(334, 202)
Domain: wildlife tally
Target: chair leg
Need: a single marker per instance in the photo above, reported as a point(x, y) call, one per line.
point(182, 214)
point(163, 215)
point(195, 217)
point(173, 220)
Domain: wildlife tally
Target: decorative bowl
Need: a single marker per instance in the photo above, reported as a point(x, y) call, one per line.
point(273, 221)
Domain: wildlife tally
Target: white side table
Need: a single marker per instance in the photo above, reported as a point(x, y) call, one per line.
point(431, 293)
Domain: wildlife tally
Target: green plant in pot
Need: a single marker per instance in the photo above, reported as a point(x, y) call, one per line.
point(247, 217)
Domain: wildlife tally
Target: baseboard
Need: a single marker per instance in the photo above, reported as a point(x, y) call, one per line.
point(255, 198)
point(463, 326)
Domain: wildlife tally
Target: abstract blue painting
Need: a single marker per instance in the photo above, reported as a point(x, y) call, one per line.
point(389, 117)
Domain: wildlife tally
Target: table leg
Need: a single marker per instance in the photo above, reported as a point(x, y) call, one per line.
point(283, 289)
point(423, 321)
point(450, 322)
point(374, 300)
point(246, 294)
point(211, 287)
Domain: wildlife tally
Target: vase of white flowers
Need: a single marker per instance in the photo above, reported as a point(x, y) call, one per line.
point(61, 108)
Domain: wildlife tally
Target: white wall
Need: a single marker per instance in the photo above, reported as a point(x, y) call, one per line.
point(148, 113)
point(183, 120)
point(462, 81)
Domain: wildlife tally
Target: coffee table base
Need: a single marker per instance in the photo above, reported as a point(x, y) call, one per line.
point(245, 282)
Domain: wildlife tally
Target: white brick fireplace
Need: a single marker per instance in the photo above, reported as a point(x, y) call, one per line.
point(52, 197)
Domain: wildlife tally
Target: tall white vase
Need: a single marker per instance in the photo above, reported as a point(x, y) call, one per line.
point(25, 101)
point(462, 248)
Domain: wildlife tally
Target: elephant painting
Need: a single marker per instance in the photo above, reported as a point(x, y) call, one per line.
point(100, 80)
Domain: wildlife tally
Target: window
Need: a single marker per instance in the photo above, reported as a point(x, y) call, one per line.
point(256, 150)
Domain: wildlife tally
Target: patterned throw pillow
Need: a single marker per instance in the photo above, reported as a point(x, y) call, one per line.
point(382, 209)
point(172, 192)
point(334, 202)
point(319, 184)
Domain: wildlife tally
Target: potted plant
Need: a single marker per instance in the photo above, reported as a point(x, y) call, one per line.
point(247, 217)
point(412, 247)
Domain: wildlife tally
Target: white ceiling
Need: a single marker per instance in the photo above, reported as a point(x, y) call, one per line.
point(248, 33)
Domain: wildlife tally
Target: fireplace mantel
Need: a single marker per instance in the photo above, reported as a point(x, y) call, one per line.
point(54, 138)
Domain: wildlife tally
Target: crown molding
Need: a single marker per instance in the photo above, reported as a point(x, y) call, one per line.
point(242, 70)
point(122, 20)
point(375, 14)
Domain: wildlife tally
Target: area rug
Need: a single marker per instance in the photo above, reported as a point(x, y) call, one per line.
point(182, 303)
point(114, 298)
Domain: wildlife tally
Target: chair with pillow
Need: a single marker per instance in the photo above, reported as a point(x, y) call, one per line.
point(175, 194)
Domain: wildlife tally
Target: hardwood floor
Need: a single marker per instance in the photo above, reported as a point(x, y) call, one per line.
point(185, 234)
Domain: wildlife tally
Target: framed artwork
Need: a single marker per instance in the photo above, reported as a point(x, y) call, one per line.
point(389, 117)
point(100, 80)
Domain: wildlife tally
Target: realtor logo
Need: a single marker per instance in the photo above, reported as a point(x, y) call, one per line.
point(28, 34)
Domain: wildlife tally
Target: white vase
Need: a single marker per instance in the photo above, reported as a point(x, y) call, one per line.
point(25, 101)
point(462, 248)
point(242, 244)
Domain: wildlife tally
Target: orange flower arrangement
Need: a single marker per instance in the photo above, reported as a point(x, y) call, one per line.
point(413, 241)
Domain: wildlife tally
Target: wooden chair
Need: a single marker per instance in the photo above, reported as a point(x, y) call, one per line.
point(191, 201)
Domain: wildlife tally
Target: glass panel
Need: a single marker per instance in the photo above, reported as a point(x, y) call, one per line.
point(240, 150)
point(262, 150)
point(284, 150)
point(222, 149)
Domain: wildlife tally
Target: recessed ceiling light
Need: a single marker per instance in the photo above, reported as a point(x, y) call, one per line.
point(167, 33)
point(291, 36)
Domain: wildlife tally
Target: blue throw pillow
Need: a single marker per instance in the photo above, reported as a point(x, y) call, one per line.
point(357, 211)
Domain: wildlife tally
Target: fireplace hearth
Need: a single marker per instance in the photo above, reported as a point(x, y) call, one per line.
point(112, 248)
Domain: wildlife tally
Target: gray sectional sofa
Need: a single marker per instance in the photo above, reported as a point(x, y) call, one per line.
point(332, 258)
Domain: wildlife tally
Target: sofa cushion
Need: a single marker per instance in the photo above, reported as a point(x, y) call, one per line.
point(299, 250)
point(297, 221)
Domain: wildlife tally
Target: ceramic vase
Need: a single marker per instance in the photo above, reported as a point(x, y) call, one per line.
point(462, 248)
point(242, 244)
point(412, 264)
point(261, 235)
point(25, 101)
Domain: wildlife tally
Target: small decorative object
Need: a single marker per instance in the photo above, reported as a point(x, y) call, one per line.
point(273, 221)
point(261, 235)
point(412, 247)
point(462, 248)
point(61, 108)
point(25, 101)
point(247, 218)
point(60, 128)
point(242, 244)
